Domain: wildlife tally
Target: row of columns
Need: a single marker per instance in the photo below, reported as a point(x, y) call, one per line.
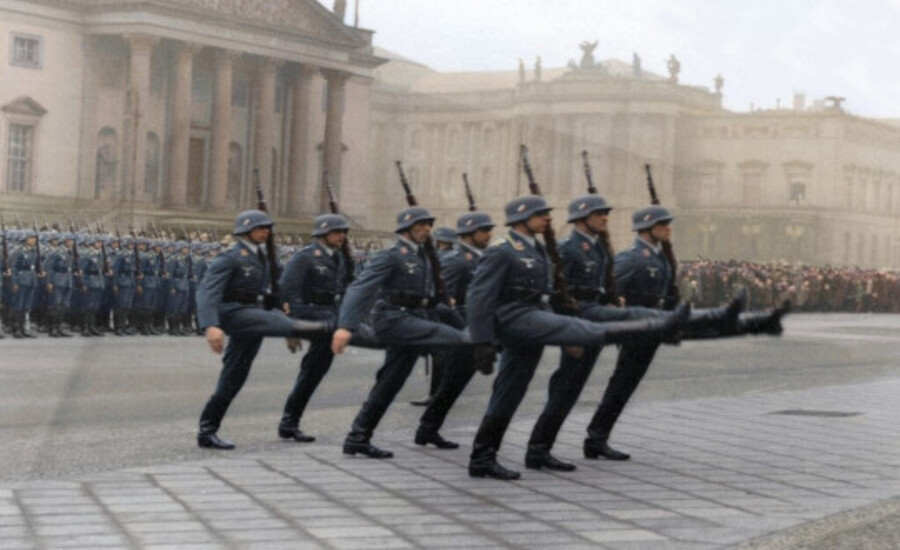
point(264, 123)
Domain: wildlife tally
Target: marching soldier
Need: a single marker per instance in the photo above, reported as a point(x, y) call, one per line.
point(508, 301)
point(235, 299)
point(312, 285)
point(642, 275)
point(457, 267)
point(444, 238)
point(406, 318)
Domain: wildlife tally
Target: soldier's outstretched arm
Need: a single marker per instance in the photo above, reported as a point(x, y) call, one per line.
point(359, 299)
point(212, 290)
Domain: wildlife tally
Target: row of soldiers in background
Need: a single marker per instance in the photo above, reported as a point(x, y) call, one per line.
point(808, 288)
point(57, 281)
point(95, 283)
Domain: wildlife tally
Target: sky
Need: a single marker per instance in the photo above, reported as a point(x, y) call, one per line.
point(766, 50)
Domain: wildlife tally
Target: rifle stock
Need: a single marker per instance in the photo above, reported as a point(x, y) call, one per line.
point(565, 301)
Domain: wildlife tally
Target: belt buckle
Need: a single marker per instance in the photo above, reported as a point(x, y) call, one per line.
point(545, 299)
point(337, 298)
point(260, 300)
point(423, 302)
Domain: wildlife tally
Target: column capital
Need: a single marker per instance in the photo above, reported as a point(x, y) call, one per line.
point(226, 57)
point(266, 66)
point(141, 43)
point(303, 71)
point(335, 77)
point(185, 49)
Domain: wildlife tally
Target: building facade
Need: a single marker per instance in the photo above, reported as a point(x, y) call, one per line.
point(168, 109)
point(809, 184)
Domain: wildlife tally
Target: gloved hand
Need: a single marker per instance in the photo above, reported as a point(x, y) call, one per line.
point(483, 356)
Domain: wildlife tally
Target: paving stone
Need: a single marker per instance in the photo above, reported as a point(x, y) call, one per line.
point(622, 535)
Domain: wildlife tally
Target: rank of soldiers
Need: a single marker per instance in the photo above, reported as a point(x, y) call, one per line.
point(467, 302)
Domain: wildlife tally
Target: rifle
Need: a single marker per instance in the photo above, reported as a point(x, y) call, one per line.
point(137, 261)
point(565, 302)
point(609, 283)
point(5, 258)
point(439, 288)
point(673, 291)
point(469, 196)
point(37, 247)
point(345, 246)
point(271, 252)
point(75, 271)
point(104, 255)
point(190, 258)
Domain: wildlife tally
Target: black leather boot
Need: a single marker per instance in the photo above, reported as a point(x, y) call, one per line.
point(308, 329)
point(58, 321)
point(93, 327)
point(542, 438)
point(483, 460)
point(716, 322)
point(210, 420)
point(662, 327)
point(173, 325)
point(358, 441)
point(768, 322)
point(425, 436)
point(594, 448)
point(289, 428)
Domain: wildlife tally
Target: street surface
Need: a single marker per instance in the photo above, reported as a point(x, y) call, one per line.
point(765, 442)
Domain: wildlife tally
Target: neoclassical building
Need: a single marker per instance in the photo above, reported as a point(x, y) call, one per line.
point(808, 183)
point(163, 110)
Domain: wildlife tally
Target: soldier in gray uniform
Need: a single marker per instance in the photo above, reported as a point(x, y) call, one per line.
point(24, 280)
point(508, 302)
point(457, 267)
point(642, 275)
point(444, 237)
point(235, 299)
point(312, 285)
point(407, 317)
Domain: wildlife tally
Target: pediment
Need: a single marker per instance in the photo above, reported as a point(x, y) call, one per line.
point(306, 16)
point(24, 106)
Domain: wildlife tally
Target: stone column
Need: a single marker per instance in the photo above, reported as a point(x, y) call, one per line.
point(264, 122)
point(136, 118)
point(221, 130)
point(180, 127)
point(301, 120)
point(333, 129)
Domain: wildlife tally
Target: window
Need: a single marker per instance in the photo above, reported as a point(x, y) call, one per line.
point(18, 175)
point(26, 51)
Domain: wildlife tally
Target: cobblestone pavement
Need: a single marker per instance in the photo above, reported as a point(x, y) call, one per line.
point(705, 473)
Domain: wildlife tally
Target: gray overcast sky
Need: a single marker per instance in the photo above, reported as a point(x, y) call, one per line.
point(765, 49)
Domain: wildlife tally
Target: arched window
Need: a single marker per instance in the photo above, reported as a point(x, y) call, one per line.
point(106, 178)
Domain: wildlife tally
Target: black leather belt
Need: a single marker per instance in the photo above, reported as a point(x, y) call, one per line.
point(525, 295)
point(323, 298)
point(408, 299)
point(245, 297)
point(587, 294)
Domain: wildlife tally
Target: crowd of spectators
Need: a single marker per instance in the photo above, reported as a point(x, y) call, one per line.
point(706, 283)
